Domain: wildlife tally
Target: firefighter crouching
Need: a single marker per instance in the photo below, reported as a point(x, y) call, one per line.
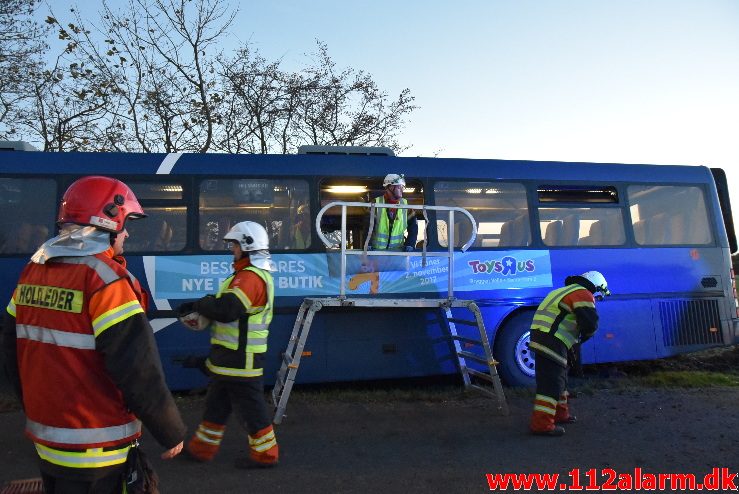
point(238, 316)
point(566, 317)
point(80, 351)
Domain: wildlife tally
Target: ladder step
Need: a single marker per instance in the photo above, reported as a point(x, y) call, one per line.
point(465, 339)
point(473, 356)
point(462, 321)
point(481, 375)
point(483, 390)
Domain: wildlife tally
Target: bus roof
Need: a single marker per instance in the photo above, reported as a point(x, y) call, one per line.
point(341, 166)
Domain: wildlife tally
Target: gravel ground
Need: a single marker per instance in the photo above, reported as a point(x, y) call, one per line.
point(447, 443)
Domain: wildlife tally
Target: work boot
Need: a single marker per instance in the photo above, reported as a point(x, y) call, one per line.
point(562, 414)
point(542, 424)
point(556, 432)
point(570, 419)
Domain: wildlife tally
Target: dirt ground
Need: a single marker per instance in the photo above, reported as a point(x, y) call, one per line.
point(392, 442)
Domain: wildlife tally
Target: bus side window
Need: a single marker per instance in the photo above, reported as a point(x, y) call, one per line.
point(27, 214)
point(270, 202)
point(669, 215)
point(499, 208)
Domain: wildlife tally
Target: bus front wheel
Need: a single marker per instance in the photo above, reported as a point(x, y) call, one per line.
point(516, 360)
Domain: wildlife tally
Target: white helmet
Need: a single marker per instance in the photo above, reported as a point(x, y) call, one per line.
point(598, 280)
point(253, 238)
point(393, 179)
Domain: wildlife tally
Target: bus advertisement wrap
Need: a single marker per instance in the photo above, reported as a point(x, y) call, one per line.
point(301, 275)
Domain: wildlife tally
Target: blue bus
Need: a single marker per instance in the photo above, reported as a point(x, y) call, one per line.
point(662, 236)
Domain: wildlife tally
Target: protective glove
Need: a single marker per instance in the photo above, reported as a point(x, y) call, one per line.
point(185, 309)
point(195, 321)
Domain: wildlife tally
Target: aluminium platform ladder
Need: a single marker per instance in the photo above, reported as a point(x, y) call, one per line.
point(472, 378)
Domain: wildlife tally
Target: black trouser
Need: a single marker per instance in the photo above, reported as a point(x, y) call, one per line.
point(245, 397)
point(551, 377)
point(111, 483)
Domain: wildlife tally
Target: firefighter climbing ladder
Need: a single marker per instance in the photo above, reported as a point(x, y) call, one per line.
point(486, 381)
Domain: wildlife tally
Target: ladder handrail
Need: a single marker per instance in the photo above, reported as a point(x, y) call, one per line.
point(421, 207)
point(356, 252)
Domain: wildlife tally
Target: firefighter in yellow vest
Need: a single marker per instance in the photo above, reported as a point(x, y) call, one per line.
point(566, 317)
point(301, 228)
point(239, 317)
point(80, 351)
point(388, 232)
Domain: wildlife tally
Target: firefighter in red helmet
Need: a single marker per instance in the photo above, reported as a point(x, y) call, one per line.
point(80, 350)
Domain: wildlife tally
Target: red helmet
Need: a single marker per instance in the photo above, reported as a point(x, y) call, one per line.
point(102, 202)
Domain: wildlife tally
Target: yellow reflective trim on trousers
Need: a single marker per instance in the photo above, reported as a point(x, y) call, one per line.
point(547, 399)
point(90, 458)
point(209, 440)
point(548, 351)
point(548, 411)
point(263, 443)
point(114, 316)
point(212, 432)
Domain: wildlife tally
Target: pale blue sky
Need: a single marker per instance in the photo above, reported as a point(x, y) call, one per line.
point(628, 81)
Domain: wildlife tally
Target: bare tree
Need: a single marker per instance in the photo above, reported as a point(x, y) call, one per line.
point(255, 97)
point(150, 78)
point(277, 111)
point(63, 104)
point(160, 55)
point(346, 107)
point(21, 46)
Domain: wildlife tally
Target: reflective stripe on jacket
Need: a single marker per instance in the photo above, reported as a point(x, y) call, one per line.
point(70, 401)
point(248, 335)
point(385, 236)
point(556, 313)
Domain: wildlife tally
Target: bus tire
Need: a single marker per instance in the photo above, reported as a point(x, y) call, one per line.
point(511, 349)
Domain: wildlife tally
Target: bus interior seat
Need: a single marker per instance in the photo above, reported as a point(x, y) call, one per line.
point(515, 232)
point(640, 232)
point(507, 234)
point(595, 234)
point(463, 232)
point(164, 237)
point(570, 229)
point(678, 232)
point(521, 227)
point(657, 232)
point(554, 233)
